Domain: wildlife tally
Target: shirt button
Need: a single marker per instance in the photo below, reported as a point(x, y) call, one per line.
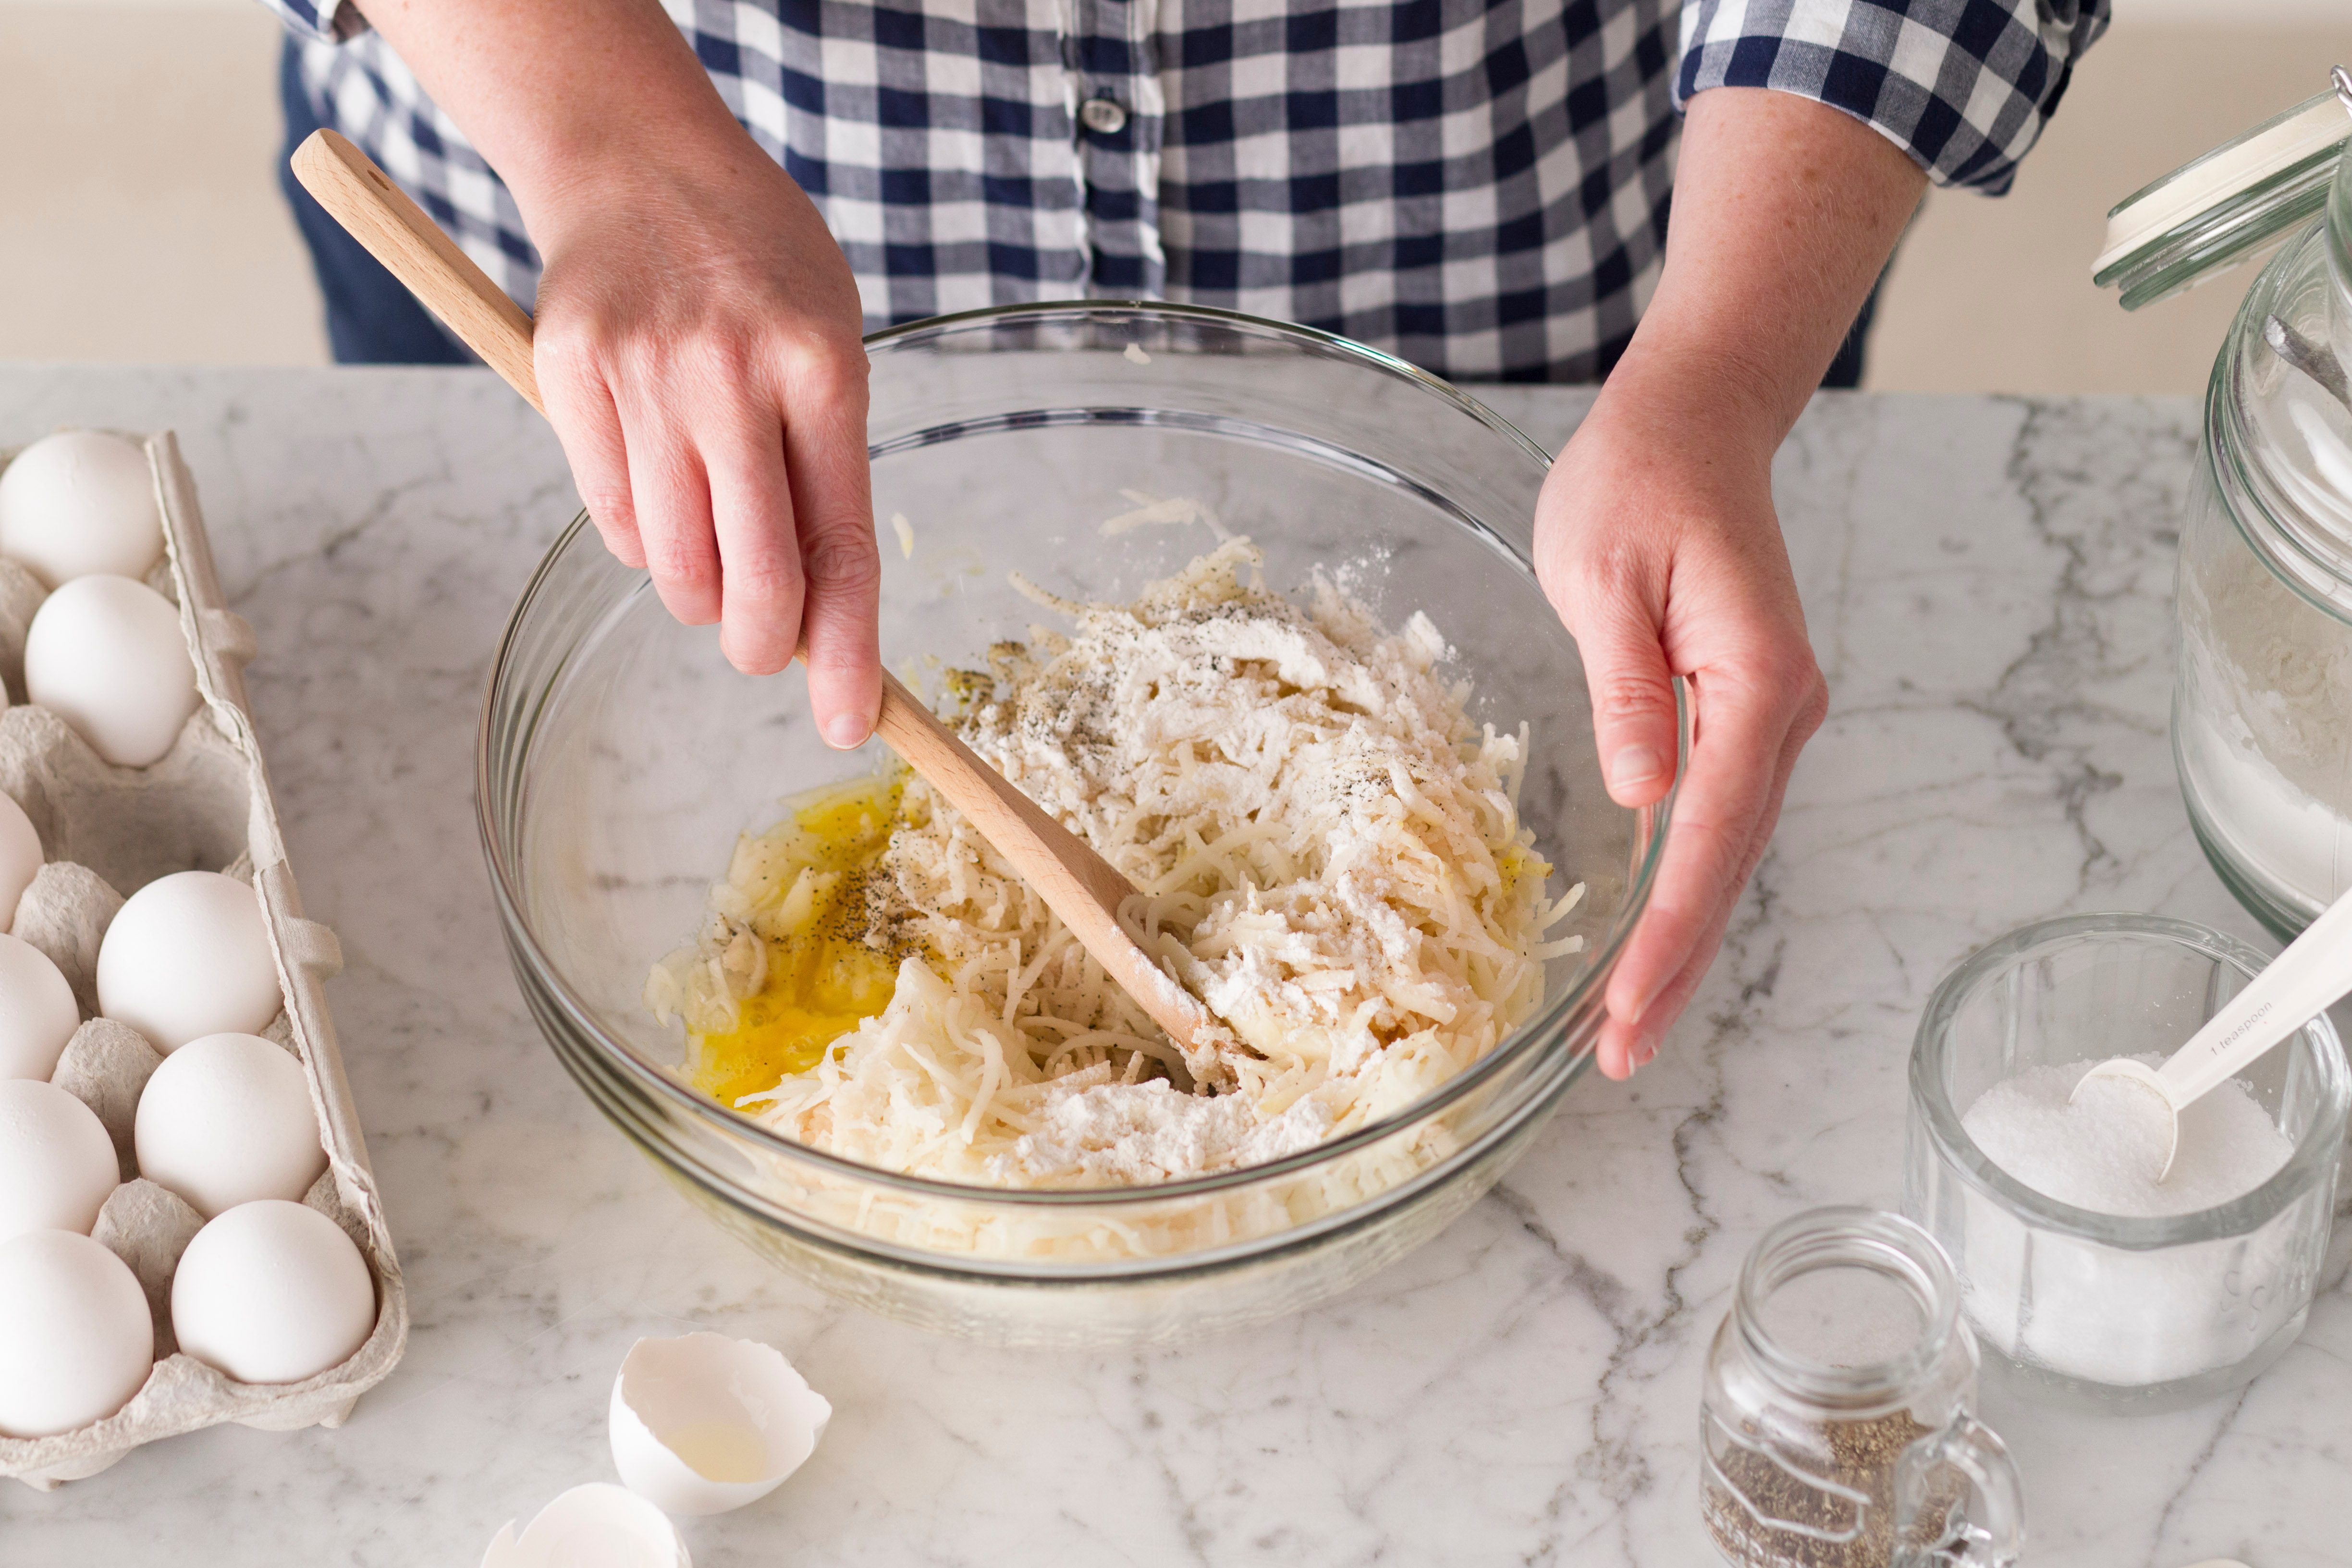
point(1103, 115)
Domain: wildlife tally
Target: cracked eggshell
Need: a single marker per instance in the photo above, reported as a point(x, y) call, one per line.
point(599, 1525)
point(705, 1423)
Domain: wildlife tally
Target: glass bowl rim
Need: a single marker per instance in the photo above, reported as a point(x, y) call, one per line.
point(2314, 1154)
point(1527, 1039)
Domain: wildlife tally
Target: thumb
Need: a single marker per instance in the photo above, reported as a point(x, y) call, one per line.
point(1632, 700)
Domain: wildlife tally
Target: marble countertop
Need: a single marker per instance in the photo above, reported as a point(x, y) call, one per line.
point(1988, 582)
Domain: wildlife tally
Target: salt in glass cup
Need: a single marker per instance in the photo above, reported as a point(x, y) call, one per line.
point(1837, 1426)
point(2115, 1312)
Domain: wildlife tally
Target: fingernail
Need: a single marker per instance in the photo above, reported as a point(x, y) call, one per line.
point(845, 731)
point(1632, 766)
point(1644, 1054)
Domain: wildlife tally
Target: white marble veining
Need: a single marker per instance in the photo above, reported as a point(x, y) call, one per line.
point(1988, 583)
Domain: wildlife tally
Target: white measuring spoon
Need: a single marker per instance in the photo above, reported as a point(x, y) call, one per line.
point(2302, 982)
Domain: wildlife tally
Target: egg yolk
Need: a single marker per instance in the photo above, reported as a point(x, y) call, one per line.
point(824, 979)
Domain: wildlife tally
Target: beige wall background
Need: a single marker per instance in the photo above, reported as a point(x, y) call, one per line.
point(140, 218)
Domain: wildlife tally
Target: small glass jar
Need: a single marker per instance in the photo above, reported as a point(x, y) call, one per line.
point(1837, 1424)
point(2108, 1311)
point(2261, 728)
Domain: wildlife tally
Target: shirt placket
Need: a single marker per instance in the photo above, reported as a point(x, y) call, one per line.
point(1118, 116)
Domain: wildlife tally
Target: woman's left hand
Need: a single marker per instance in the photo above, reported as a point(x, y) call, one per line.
point(1656, 541)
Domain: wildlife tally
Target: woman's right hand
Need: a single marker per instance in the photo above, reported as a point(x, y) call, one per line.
point(698, 330)
point(698, 353)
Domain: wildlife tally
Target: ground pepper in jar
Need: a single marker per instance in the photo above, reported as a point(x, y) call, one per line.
point(1846, 1521)
point(1836, 1415)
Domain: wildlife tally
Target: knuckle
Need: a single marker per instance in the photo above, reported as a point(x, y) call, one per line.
point(1814, 709)
point(1631, 697)
point(759, 647)
point(828, 370)
point(844, 564)
point(679, 559)
point(609, 505)
point(716, 360)
point(564, 350)
point(1799, 678)
point(764, 579)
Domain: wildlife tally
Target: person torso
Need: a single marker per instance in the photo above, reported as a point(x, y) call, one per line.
point(1477, 185)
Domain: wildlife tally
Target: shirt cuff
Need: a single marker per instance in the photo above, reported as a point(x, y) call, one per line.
point(323, 21)
point(1963, 86)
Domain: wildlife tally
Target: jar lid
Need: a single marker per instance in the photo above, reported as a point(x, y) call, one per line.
point(2217, 210)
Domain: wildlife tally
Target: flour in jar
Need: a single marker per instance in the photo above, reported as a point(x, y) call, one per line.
point(2266, 722)
point(1328, 853)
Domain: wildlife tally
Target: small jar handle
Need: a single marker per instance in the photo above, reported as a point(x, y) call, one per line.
point(1936, 1524)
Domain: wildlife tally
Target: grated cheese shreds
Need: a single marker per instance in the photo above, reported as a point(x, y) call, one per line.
point(1328, 853)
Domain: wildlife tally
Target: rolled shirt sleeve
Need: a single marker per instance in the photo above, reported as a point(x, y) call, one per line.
point(1963, 86)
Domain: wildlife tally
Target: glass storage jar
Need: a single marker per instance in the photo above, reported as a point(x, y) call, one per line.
point(2262, 726)
point(2117, 1312)
point(1837, 1426)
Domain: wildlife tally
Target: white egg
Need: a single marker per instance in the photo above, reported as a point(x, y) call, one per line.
point(272, 1291)
point(57, 1164)
point(705, 1422)
point(76, 1339)
point(226, 1120)
point(188, 955)
point(79, 503)
point(107, 655)
point(38, 1013)
point(20, 853)
point(599, 1525)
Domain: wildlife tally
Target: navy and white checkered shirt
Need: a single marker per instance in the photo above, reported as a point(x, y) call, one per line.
point(1477, 185)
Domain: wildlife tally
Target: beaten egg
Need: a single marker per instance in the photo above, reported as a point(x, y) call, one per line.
point(823, 977)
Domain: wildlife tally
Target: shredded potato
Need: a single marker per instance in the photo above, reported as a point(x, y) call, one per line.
point(1326, 853)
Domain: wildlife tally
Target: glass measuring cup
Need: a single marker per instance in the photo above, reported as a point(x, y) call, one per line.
point(1837, 1424)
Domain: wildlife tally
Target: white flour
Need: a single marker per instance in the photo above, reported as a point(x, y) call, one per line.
point(2266, 720)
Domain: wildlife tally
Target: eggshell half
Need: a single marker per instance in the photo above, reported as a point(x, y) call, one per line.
point(705, 1423)
point(599, 1525)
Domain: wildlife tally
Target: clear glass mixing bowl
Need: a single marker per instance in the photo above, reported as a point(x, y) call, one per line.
point(620, 756)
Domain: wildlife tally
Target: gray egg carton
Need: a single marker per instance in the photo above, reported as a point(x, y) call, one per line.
point(106, 831)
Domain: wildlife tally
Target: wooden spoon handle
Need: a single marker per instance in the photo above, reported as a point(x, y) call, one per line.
point(1081, 886)
point(396, 232)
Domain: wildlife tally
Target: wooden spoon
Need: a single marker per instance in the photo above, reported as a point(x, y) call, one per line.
point(1076, 884)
